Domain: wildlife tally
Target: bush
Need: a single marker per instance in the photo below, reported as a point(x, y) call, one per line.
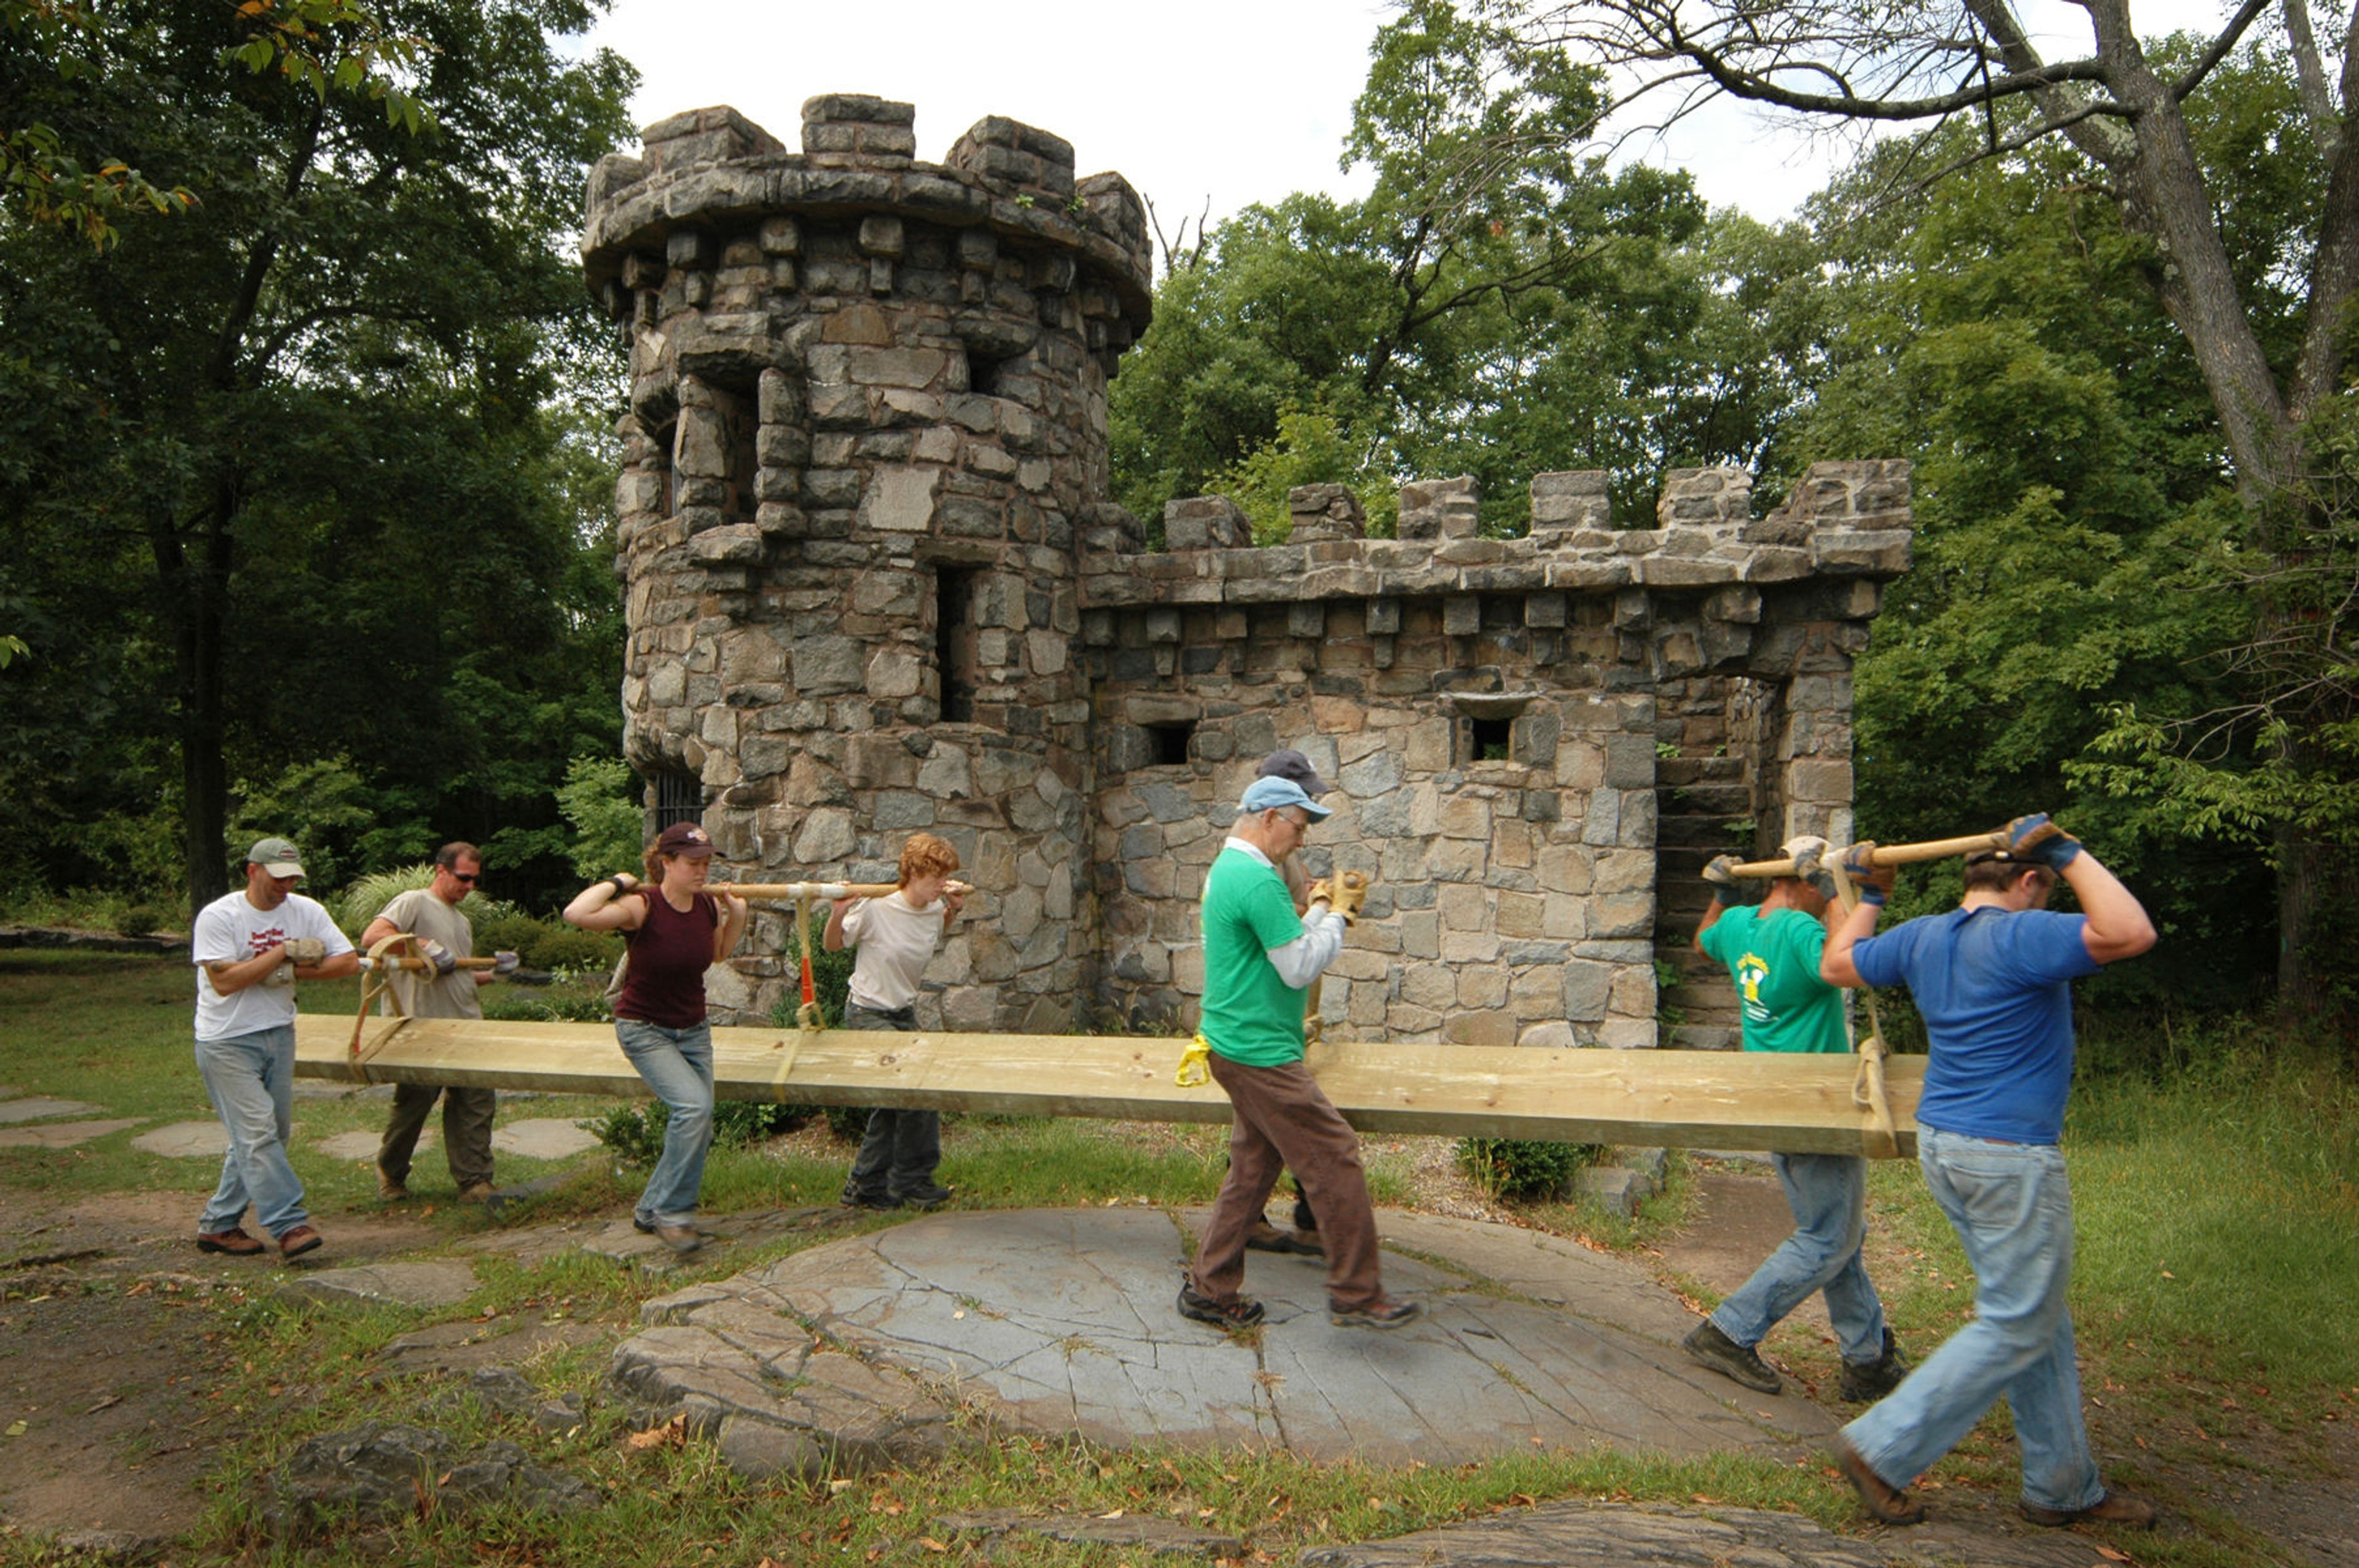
point(1516, 1168)
point(636, 1134)
point(547, 944)
point(139, 919)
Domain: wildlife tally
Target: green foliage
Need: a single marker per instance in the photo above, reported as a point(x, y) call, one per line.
point(1517, 1168)
point(830, 972)
point(598, 800)
point(1310, 448)
point(1451, 321)
point(545, 943)
point(311, 477)
point(636, 1134)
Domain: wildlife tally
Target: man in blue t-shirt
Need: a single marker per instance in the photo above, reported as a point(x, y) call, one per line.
point(1991, 978)
point(1772, 952)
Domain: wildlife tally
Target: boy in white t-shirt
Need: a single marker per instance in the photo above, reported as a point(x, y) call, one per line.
point(897, 936)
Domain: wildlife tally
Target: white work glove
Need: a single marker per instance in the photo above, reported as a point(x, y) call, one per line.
point(441, 957)
point(307, 952)
point(282, 973)
point(505, 962)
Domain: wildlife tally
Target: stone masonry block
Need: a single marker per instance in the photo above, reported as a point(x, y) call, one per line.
point(1205, 522)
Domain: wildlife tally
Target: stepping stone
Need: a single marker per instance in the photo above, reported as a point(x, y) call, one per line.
point(427, 1285)
point(61, 1134)
point(361, 1144)
point(42, 1108)
point(1063, 1322)
point(186, 1140)
point(541, 1138)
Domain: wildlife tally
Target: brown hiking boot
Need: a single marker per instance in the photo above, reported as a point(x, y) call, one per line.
point(476, 1193)
point(390, 1187)
point(299, 1241)
point(1385, 1312)
point(1267, 1237)
point(2114, 1508)
point(233, 1241)
point(1885, 1504)
point(1241, 1312)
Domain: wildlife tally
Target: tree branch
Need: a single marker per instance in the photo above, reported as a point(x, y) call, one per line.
point(2220, 46)
point(2317, 100)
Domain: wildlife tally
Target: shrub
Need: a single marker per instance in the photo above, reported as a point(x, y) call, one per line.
point(139, 919)
point(636, 1134)
point(1516, 1168)
point(547, 944)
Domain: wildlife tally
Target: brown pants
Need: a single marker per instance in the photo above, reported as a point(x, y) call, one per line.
point(467, 1117)
point(1284, 1121)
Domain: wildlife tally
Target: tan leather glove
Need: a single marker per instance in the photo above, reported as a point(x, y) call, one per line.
point(307, 952)
point(1343, 893)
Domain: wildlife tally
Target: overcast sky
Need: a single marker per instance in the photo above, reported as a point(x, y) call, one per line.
point(1230, 101)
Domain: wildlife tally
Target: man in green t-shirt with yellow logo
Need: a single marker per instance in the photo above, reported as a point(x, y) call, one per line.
point(1772, 952)
point(1259, 958)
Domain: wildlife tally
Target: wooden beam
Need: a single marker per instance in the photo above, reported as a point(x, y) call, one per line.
point(1694, 1100)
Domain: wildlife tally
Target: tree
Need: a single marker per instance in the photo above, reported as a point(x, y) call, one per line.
point(325, 389)
point(2125, 114)
point(1396, 316)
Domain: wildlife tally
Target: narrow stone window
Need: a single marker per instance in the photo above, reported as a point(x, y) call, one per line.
point(1490, 739)
point(955, 653)
point(679, 798)
point(1170, 742)
point(983, 370)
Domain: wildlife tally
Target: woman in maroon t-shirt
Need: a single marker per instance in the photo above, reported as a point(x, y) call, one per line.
point(673, 931)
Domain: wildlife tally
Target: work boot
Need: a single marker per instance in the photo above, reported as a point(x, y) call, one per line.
point(390, 1187)
point(1866, 1381)
point(234, 1242)
point(1267, 1237)
point(299, 1241)
point(2114, 1508)
point(1710, 1347)
point(679, 1237)
point(1885, 1503)
point(476, 1193)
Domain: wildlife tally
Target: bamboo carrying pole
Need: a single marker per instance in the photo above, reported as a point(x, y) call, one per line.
point(1889, 854)
point(798, 892)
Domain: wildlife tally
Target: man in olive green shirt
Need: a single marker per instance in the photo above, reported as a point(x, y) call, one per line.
point(1772, 953)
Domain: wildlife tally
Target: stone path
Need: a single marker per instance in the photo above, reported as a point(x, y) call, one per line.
point(41, 1108)
point(1063, 1322)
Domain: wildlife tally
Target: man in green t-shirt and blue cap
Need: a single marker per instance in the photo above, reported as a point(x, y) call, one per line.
point(1772, 952)
point(1259, 958)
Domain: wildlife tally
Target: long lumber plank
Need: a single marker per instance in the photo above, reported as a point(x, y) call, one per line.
point(1709, 1099)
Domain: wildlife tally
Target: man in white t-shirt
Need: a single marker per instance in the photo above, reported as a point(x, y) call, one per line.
point(250, 947)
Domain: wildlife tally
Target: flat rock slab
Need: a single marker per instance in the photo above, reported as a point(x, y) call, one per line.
point(1143, 1532)
point(541, 1138)
point(1064, 1322)
point(427, 1284)
point(42, 1108)
point(185, 1141)
point(470, 1346)
point(59, 1134)
point(361, 1144)
point(1616, 1535)
point(621, 1242)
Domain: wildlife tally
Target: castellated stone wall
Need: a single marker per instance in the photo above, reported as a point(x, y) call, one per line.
point(873, 586)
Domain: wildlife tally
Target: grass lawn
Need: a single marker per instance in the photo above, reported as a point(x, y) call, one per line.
point(2218, 1233)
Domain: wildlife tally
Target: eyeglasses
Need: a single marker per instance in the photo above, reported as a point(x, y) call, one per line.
point(470, 878)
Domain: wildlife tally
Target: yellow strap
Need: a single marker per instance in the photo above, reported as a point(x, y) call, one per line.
point(1195, 1064)
point(788, 1047)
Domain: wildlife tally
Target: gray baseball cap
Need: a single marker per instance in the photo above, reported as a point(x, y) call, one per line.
point(276, 856)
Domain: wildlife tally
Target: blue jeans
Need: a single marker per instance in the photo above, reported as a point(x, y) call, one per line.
point(678, 1066)
point(2012, 1207)
point(901, 1149)
point(1827, 1194)
point(251, 1080)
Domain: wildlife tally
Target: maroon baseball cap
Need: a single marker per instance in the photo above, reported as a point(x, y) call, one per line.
point(1292, 764)
point(685, 838)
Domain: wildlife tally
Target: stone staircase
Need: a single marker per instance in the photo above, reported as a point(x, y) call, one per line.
point(1696, 799)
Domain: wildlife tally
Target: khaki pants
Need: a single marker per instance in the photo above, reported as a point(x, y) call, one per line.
point(1284, 1121)
point(466, 1131)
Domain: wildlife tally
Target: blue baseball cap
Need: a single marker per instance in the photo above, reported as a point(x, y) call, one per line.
point(1264, 794)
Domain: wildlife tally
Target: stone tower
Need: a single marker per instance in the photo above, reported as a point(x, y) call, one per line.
point(867, 427)
point(874, 586)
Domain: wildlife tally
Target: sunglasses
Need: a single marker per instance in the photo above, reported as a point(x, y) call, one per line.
point(470, 878)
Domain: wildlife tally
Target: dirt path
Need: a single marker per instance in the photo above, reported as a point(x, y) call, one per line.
point(111, 1356)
